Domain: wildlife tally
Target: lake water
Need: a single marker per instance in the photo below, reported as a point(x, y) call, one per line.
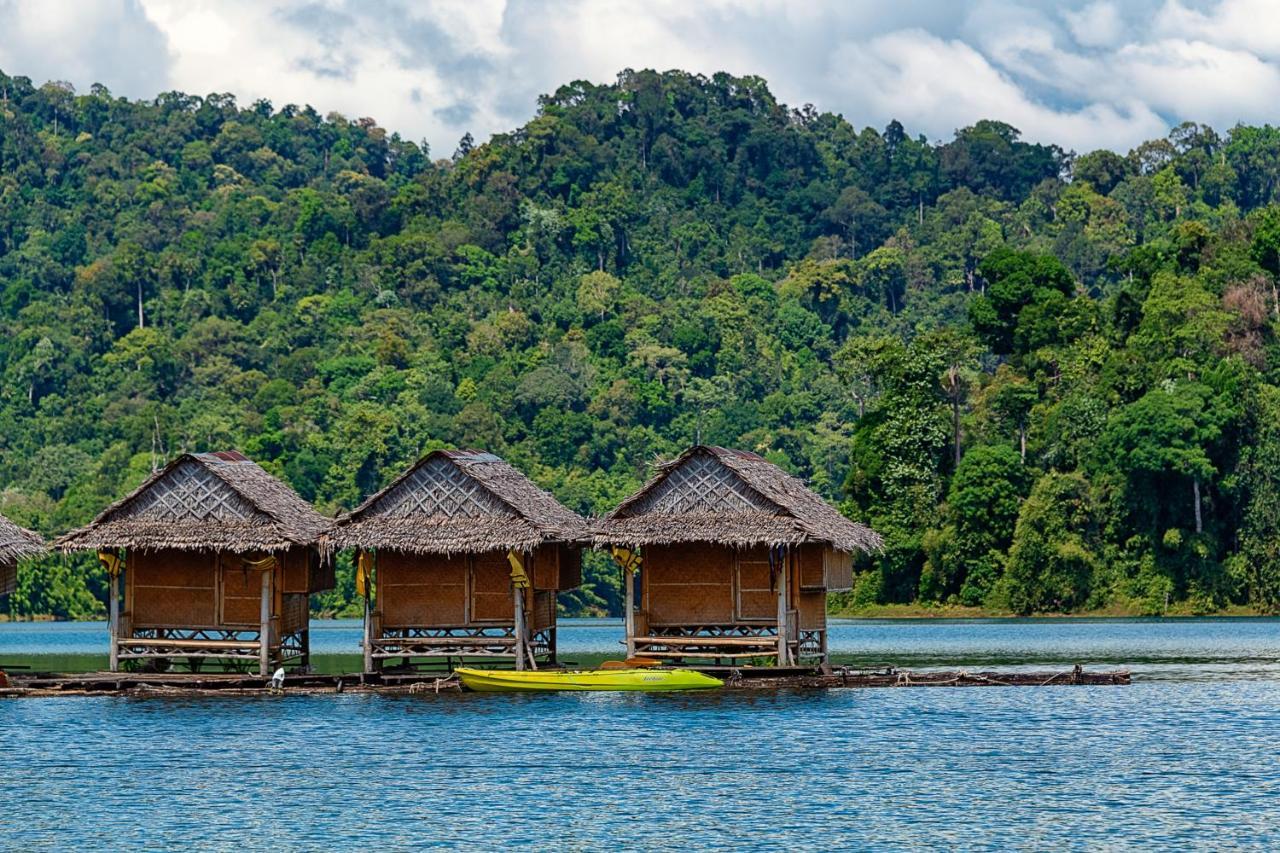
point(1187, 756)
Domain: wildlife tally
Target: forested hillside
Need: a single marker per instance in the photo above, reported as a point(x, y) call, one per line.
point(1050, 381)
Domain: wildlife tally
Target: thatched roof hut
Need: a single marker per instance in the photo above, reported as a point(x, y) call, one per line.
point(219, 558)
point(466, 555)
point(729, 497)
point(458, 502)
point(736, 558)
point(204, 502)
point(16, 543)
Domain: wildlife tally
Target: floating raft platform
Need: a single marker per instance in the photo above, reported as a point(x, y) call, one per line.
point(744, 678)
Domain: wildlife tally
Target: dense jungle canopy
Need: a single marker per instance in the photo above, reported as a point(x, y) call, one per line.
point(1050, 379)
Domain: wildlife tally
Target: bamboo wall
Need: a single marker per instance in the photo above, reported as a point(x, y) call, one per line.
point(8, 578)
point(439, 591)
point(422, 591)
point(190, 589)
point(705, 584)
point(688, 584)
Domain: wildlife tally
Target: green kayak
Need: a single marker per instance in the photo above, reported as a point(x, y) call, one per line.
point(651, 680)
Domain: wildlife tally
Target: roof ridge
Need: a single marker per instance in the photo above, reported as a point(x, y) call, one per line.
point(207, 460)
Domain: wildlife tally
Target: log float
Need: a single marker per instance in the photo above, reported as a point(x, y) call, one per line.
point(745, 678)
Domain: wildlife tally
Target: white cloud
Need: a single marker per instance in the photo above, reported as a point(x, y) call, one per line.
point(1083, 73)
point(111, 42)
point(1096, 25)
point(946, 85)
point(1249, 25)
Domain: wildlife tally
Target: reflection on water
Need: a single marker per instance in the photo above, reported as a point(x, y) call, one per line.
point(1184, 757)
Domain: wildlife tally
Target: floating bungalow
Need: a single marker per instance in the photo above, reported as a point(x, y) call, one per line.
point(16, 545)
point(464, 555)
point(735, 558)
point(218, 559)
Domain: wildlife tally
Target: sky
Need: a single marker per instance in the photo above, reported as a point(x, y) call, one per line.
point(1084, 74)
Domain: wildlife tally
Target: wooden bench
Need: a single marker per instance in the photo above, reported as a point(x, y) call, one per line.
point(711, 642)
point(230, 645)
point(762, 653)
point(444, 641)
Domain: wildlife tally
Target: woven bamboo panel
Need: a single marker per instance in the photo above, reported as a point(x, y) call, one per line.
point(294, 613)
point(189, 493)
point(570, 567)
point(172, 589)
point(812, 567)
point(690, 583)
point(296, 563)
point(422, 591)
point(322, 573)
point(241, 594)
point(546, 567)
point(812, 607)
point(702, 484)
point(543, 613)
point(756, 600)
point(838, 569)
point(491, 588)
point(557, 567)
point(440, 489)
point(8, 578)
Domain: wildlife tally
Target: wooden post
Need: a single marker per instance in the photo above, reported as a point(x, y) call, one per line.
point(629, 581)
point(784, 658)
point(113, 608)
point(517, 599)
point(264, 637)
point(368, 634)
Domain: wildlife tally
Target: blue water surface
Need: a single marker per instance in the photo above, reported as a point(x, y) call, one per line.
point(1188, 756)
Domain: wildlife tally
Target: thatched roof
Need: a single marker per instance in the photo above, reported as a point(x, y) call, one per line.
point(458, 501)
point(17, 543)
point(729, 497)
point(204, 502)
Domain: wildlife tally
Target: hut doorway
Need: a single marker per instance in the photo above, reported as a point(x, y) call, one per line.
point(756, 596)
point(490, 597)
point(240, 601)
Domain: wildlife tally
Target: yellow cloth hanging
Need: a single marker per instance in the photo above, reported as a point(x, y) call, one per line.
point(111, 562)
point(519, 577)
point(628, 559)
point(266, 564)
point(364, 574)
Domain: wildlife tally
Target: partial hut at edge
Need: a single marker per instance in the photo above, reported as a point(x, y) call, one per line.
point(735, 558)
point(16, 544)
point(218, 559)
point(466, 555)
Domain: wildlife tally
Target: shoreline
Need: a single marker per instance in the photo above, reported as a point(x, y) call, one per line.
point(889, 612)
point(886, 612)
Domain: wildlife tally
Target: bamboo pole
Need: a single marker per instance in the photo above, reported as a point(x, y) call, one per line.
point(113, 607)
point(783, 655)
point(264, 636)
point(629, 581)
point(368, 635)
point(517, 600)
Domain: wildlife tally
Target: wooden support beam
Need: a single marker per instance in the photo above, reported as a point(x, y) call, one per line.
point(113, 607)
point(264, 645)
point(517, 600)
point(368, 634)
point(783, 657)
point(629, 581)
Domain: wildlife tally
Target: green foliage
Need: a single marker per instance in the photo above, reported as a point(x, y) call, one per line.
point(1052, 560)
point(921, 329)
